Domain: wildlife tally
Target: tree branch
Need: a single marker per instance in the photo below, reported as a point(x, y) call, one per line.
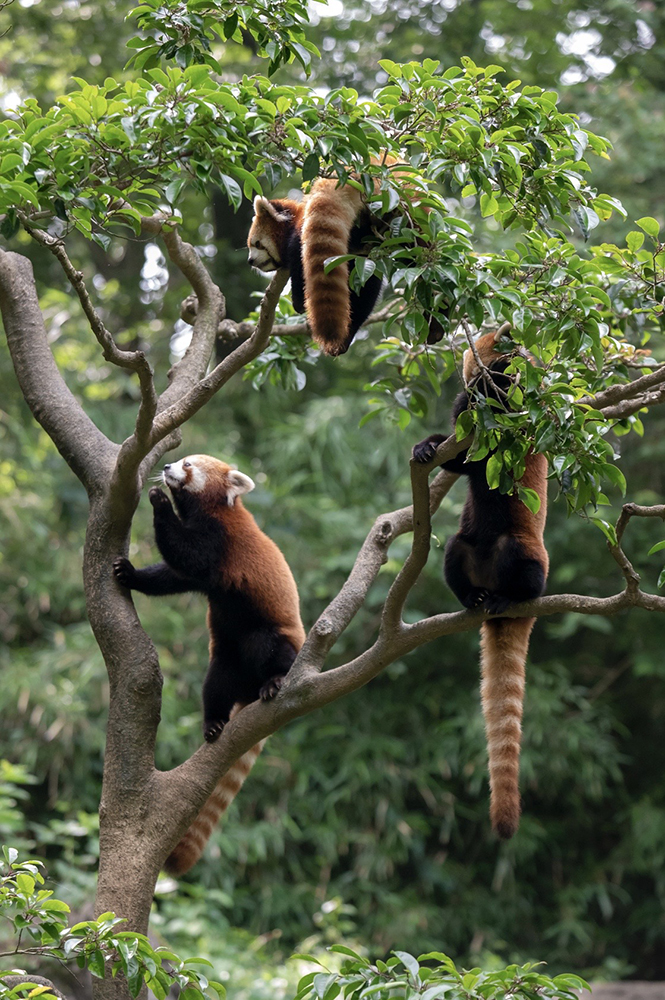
point(191, 401)
point(87, 451)
point(307, 688)
point(230, 330)
point(147, 444)
point(135, 361)
point(624, 391)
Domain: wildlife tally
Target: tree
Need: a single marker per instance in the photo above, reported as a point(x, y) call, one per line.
point(111, 155)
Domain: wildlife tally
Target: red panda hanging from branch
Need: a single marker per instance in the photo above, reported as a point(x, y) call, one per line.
point(300, 236)
point(497, 558)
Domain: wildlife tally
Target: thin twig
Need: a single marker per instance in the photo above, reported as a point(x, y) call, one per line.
point(631, 510)
point(135, 361)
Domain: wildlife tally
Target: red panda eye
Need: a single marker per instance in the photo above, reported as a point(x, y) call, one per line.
point(186, 465)
point(258, 245)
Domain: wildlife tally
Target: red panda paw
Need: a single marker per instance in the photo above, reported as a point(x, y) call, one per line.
point(271, 688)
point(158, 498)
point(123, 571)
point(212, 730)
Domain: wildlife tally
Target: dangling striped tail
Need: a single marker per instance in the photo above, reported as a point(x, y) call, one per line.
point(327, 223)
point(190, 848)
point(504, 644)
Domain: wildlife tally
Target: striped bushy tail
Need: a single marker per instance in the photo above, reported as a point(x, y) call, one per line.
point(504, 645)
point(190, 848)
point(328, 220)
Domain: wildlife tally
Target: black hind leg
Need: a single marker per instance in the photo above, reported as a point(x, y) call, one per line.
point(361, 307)
point(457, 555)
point(220, 693)
point(522, 579)
point(276, 668)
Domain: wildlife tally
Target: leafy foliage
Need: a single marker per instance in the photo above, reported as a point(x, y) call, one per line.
point(431, 976)
point(40, 923)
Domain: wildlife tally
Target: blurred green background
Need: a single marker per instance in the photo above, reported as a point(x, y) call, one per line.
point(366, 822)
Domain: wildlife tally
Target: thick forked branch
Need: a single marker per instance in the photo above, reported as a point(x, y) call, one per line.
point(308, 688)
point(374, 553)
point(198, 395)
point(144, 447)
point(87, 451)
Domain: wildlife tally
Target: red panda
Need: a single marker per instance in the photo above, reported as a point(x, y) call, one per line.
point(497, 558)
point(213, 545)
point(300, 236)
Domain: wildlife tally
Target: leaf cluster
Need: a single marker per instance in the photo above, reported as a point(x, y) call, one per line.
point(430, 977)
point(40, 923)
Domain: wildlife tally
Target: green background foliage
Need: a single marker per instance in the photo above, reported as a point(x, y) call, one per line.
point(367, 822)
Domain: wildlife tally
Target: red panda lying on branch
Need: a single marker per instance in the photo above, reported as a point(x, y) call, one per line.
point(214, 546)
point(497, 558)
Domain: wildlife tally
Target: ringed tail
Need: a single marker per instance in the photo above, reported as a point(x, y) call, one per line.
point(190, 848)
point(329, 215)
point(504, 644)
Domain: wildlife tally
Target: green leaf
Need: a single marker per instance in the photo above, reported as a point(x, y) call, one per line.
point(529, 498)
point(658, 547)
point(650, 226)
point(232, 188)
point(634, 241)
point(410, 962)
point(322, 982)
point(95, 962)
point(25, 883)
point(332, 262)
point(488, 205)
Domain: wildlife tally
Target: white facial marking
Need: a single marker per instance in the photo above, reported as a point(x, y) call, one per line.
point(238, 483)
point(177, 473)
point(263, 254)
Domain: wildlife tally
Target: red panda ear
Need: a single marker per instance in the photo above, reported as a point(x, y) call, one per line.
point(503, 333)
point(264, 207)
point(237, 484)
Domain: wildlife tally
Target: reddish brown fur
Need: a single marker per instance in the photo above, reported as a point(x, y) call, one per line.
point(324, 221)
point(275, 590)
point(504, 645)
point(328, 220)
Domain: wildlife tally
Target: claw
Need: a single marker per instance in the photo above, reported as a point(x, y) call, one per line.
point(270, 688)
point(212, 730)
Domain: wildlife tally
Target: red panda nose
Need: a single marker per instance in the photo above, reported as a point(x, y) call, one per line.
point(167, 467)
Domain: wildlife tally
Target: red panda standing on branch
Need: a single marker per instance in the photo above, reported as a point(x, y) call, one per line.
point(214, 546)
point(497, 558)
point(300, 236)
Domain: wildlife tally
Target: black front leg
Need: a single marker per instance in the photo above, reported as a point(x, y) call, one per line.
point(425, 451)
point(190, 553)
point(156, 580)
point(362, 304)
point(293, 262)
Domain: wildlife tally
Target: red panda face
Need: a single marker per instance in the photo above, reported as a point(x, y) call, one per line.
point(207, 477)
point(266, 234)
